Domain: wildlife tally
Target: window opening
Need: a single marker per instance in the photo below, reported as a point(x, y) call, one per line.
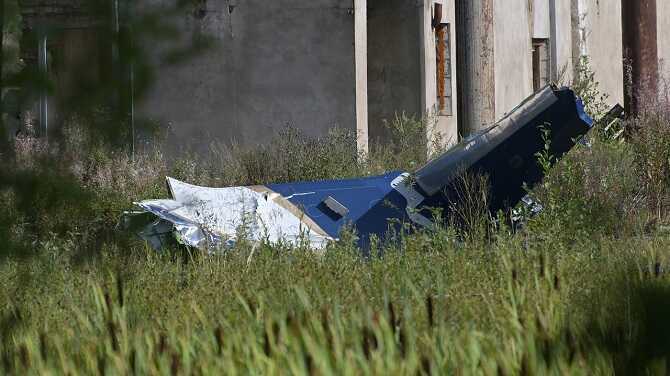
point(541, 63)
point(443, 47)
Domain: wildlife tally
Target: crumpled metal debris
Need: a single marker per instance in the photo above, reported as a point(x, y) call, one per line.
point(314, 213)
point(209, 218)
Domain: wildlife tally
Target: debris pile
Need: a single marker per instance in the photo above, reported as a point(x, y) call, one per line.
point(315, 213)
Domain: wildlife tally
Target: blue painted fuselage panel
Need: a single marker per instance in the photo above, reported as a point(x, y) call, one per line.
point(370, 202)
point(373, 207)
point(513, 166)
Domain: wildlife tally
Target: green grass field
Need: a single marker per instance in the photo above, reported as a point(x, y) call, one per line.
point(581, 289)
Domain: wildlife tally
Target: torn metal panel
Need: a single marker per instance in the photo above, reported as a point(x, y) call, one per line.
point(209, 218)
point(440, 172)
point(317, 212)
point(506, 152)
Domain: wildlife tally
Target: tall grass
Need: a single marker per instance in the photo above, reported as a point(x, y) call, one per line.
point(582, 288)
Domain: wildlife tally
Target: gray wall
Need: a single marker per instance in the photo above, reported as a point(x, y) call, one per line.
point(604, 46)
point(663, 40)
point(273, 63)
point(394, 54)
point(562, 42)
point(512, 51)
point(442, 128)
point(476, 64)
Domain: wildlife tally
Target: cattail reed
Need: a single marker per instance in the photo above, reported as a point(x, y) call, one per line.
point(132, 360)
point(108, 302)
point(425, 365)
point(375, 320)
point(267, 348)
point(18, 316)
point(557, 283)
point(500, 371)
point(111, 328)
point(402, 342)
point(175, 364)
point(102, 364)
point(6, 362)
point(162, 344)
point(119, 289)
point(276, 331)
point(293, 325)
point(325, 317)
point(572, 346)
point(309, 363)
point(110, 317)
point(540, 326)
point(525, 366)
point(430, 311)
point(542, 265)
point(252, 307)
point(515, 275)
point(369, 342)
point(44, 346)
point(218, 336)
point(392, 317)
point(24, 355)
point(325, 323)
point(547, 351)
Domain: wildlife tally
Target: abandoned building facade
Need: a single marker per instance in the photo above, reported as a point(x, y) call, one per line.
point(318, 64)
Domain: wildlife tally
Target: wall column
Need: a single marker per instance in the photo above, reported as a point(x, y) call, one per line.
point(641, 50)
point(361, 62)
point(476, 73)
point(443, 128)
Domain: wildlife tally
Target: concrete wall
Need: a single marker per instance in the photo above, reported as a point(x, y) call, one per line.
point(274, 63)
point(361, 72)
point(440, 127)
point(513, 57)
point(541, 19)
point(448, 125)
point(394, 73)
point(663, 11)
point(562, 41)
point(604, 45)
point(476, 104)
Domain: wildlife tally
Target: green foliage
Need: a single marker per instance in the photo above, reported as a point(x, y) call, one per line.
point(450, 308)
point(587, 87)
point(406, 147)
point(12, 36)
point(582, 289)
point(651, 140)
point(544, 157)
point(290, 156)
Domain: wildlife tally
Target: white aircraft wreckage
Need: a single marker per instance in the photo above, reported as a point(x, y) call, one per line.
point(315, 212)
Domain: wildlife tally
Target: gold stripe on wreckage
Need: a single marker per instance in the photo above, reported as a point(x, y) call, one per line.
point(292, 208)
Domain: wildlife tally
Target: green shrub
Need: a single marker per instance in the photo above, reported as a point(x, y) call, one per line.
point(579, 290)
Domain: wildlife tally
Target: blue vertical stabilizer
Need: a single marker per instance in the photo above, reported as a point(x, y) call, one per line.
point(505, 153)
point(318, 211)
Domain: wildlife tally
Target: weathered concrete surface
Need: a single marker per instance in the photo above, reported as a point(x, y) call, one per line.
point(562, 42)
point(604, 46)
point(394, 72)
point(640, 43)
point(443, 128)
point(663, 28)
point(476, 65)
point(448, 125)
point(513, 55)
point(274, 63)
point(361, 72)
point(541, 19)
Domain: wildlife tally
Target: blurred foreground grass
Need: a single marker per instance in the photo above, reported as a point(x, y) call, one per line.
point(582, 289)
